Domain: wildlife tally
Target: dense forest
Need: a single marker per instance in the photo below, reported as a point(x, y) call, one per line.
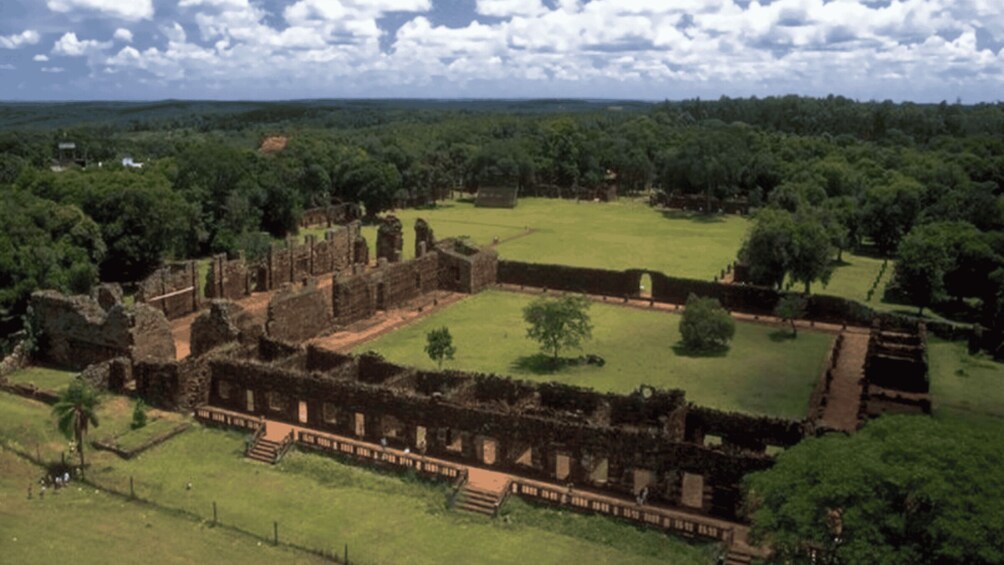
point(921, 183)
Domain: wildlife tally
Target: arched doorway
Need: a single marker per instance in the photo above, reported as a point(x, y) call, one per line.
point(645, 286)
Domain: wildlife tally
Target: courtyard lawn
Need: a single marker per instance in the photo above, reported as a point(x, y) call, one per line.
point(854, 277)
point(619, 235)
point(321, 503)
point(763, 372)
point(79, 525)
point(44, 378)
point(963, 385)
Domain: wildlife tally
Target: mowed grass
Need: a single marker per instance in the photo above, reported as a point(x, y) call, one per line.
point(321, 503)
point(79, 525)
point(763, 371)
point(45, 378)
point(618, 235)
point(964, 385)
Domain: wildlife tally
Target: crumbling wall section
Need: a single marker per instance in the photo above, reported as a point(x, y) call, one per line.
point(173, 289)
point(390, 240)
point(77, 332)
point(465, 268)
point(390, 285)
point(225, 322)
point(298, 314)
point(228, 279)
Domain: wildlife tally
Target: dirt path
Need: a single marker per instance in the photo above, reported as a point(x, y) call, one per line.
point(843, 399)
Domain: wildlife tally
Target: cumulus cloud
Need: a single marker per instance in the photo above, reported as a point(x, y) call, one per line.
point(70, 46)
point(27, 37)
point(753, 47)
point(507, 8)
point(41, 58)
point(124, 9)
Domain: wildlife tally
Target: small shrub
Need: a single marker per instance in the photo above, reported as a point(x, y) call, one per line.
point(139, 415)
point(706, 325)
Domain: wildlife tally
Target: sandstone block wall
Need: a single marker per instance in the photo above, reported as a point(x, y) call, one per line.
point(224, 322)
point(463, 268)
point(298, 314)
point(173, 289)
point(390, 285)
point(77, 332)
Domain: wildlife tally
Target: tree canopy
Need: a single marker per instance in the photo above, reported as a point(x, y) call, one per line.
point(558, 323)
point(904, 489)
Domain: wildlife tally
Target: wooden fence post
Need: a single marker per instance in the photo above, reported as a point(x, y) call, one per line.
point(132, 489)
point(214, 513)
point(275, 533)
point(346, 559)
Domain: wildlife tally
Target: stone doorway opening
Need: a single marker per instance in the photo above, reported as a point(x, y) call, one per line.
point(645, 286)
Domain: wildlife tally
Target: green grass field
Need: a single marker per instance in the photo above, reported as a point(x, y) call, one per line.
point(963, 385)
point(619, 235)
point(323, 504)
point(79, 525)
point(763, 371)
point(44, 378)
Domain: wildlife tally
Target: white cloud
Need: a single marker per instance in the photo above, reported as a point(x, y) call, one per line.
point(52, 69)
point(123, 35)
point(507, 8)
point(131, 10)
point(41, 58)
point(27, 37)
point(7, 67)
point(784, 45)
point(70, 46)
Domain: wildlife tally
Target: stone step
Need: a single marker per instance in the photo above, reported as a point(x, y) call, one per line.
point(471, 494)
point(476, 508)
point(738, 558)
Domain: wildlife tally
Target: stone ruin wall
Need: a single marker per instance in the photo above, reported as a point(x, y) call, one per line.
point(298, 314)
point(463, 268)
point(674, 290)
point(390, 240)
point(77, 332)
point(390, 285)
point(286, 263)
point(173, 289)
point(531, 424)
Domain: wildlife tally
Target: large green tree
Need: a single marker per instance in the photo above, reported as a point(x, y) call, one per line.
point(903, 490)
point(558, 323)
point(923, 260)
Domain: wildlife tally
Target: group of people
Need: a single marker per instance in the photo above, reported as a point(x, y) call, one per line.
point(57, 481)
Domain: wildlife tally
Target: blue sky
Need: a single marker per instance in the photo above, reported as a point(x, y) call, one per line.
point(924, 50)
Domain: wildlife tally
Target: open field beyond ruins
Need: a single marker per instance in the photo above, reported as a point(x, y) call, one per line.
point(763, 372)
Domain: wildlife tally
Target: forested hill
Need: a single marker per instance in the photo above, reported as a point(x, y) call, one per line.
point(210, 115)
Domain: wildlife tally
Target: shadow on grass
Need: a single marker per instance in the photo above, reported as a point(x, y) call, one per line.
point(539, 364)
point(780, 336)
point(684, 351)
point(696, 217)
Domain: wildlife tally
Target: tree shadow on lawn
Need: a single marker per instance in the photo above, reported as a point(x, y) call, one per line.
point(541, 364)
point(682, 350)
point(697, 217)
point(781, 336)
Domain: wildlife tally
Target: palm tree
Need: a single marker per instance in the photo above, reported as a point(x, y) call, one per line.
point(75, 411)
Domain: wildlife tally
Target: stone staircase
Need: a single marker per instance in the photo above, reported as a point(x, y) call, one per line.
point(264, 450)
point(471, 499)
point(736, 556)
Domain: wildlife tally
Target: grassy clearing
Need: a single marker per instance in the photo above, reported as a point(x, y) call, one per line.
point(854, 277)
point(619, 235)
point(763, 372)
point(962, 384)
point(322, 503)
point(80, 525)
point(44, 378)
point(155, 428)
point(28, 426)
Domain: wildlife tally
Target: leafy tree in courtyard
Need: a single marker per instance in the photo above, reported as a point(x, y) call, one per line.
point(138, 415)
point(810, 257)
point(75, 412)
point(923, 259)
point(439, 345)
point(558, 323)
point(706, 325)
point(903, 490)
point(791, 307)
point(781, 245)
